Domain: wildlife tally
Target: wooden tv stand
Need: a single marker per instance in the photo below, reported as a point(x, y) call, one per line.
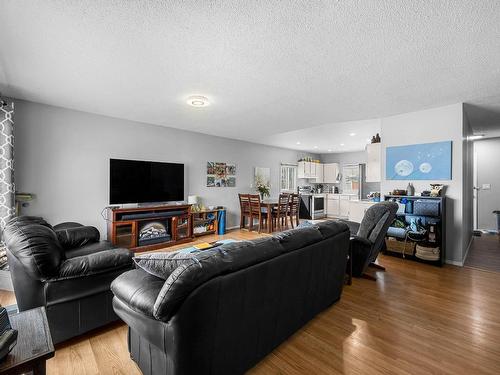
point(150, 227)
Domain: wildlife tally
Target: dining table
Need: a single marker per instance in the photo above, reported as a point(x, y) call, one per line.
point(269, 204)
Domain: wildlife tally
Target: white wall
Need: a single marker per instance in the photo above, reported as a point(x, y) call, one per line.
point(488, 157)
point(62, 156)
point(433, 125)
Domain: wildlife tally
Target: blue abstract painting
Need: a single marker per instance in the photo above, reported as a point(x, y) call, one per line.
point(426, 161)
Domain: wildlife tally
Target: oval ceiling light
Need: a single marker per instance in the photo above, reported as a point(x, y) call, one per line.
point(329, 150)
point(352, 134)
point(342, 144)
point(298, 143)
point(315, 146)
point(198, 101)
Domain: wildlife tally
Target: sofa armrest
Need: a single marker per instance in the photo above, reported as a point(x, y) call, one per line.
point(74, 237)
point(101, 262)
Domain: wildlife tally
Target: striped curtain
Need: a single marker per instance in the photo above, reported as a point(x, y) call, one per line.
point(7, 187)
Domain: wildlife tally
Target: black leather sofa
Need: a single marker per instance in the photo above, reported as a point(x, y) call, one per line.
point(227, 310)
point(66, 269)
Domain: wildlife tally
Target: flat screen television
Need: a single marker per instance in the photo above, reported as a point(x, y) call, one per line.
point(135, 181)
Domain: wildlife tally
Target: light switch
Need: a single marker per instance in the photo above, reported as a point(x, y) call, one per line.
point(486, 187)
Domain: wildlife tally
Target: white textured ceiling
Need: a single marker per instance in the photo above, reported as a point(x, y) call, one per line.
point(268, 67)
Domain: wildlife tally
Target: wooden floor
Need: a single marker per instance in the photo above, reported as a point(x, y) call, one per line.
point(484, 253)
point(415, 319)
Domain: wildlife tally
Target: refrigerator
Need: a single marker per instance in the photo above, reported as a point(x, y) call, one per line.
point(353, 178)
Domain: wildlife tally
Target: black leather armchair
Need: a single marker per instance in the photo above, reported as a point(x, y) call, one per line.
point(367, 237)
point(66, 269)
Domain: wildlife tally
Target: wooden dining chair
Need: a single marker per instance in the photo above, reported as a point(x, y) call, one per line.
point(255, 211)
point(294, 208)
point(244, 209)
point(280, 213)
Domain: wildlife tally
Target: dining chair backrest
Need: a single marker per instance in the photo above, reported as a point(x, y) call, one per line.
point(244, 203)
point(294, 204)
point(283, 203)
point(254, 203)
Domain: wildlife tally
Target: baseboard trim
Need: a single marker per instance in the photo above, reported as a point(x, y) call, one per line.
point(454, 262)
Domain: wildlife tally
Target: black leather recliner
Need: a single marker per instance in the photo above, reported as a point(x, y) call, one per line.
point(238, 302)
point(367, 237)
point(66, 269)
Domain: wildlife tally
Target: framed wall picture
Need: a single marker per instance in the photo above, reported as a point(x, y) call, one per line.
point(426, 161)
point(221, 174)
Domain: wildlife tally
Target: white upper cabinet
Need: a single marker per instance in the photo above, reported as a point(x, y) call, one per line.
point(307, 169)
point(330, 173)
point(374, 152)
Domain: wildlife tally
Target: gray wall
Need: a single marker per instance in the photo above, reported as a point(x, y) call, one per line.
point(358, 157)
point(62, 156)
point(488, 156)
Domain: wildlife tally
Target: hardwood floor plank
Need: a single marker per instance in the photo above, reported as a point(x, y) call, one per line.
point(415, 319)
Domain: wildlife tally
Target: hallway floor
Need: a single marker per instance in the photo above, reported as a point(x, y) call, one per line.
point(484, 253)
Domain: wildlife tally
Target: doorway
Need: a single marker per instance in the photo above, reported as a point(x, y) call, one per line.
point(485, 250)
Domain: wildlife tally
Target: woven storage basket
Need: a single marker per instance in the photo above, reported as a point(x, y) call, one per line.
point(427, 253)
point(401, 247)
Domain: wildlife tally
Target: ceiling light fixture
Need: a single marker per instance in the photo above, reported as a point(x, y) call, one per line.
point(198, 101)
point(342, 144)
point(315, 146)
point(474, 137)
point(298, 143)
point(329, 150)
point(352, 134)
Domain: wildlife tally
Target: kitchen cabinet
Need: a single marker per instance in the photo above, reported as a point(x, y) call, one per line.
point(344, 206)
point(332, 205)
point(320, 176)
point(306, 169)
point(337, 205)
point(373, 156)
point(357, 210)
point(330, 173)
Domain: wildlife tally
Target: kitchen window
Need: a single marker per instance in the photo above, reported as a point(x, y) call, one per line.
point(288, 179)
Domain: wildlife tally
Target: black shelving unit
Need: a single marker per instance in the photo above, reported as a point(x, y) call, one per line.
point(439, 220)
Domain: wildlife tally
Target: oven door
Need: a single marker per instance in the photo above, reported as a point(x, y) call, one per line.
point(318, 208)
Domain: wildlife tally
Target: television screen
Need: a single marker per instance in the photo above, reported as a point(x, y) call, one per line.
point(135, 181)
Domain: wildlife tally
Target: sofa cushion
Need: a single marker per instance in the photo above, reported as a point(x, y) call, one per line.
point(71, 238)
point(208, 264)
point(138, 290)
point(162, 264)
point(294, 239)
point(92, 264)
point(88, 249)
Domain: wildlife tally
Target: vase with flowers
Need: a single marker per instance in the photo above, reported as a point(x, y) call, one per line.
point(263, 188)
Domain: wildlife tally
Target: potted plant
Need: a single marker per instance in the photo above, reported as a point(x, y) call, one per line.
point(263, 188)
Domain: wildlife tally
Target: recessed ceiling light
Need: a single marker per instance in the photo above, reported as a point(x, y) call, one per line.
point(342, 144)
point(329, 150)
point(298, 143)
point(198, 101)
point(352, 134)
point(315, 146)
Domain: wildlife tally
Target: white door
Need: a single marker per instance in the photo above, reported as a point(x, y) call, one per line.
point(487, 154)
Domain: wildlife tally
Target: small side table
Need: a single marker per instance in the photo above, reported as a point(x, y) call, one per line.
point(34, 343)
